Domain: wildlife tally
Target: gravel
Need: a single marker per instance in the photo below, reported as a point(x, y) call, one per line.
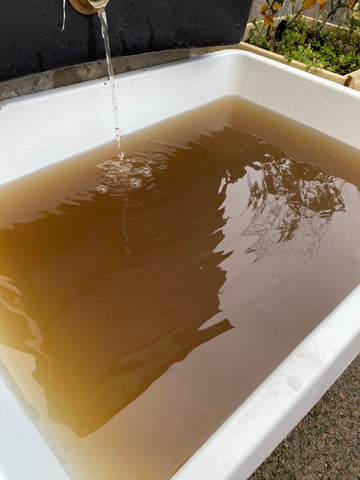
point(325, 445)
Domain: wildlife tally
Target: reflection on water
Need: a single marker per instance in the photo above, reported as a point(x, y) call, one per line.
point(293, 204)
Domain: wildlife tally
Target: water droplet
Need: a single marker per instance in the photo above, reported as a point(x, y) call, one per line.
point(64, 16)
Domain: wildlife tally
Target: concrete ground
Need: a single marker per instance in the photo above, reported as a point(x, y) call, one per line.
point(325, 445)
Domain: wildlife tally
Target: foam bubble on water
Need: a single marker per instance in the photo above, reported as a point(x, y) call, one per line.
point(146, 171)
point(102, 189)
point(161, 166)
point(135, 183)
point(127, 171)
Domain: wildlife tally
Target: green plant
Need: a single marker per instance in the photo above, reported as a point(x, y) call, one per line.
point(310, 39)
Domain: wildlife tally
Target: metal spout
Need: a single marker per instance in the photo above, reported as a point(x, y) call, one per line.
point(88, 7)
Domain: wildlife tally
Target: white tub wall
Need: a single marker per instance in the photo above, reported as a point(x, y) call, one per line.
point(65, 122)
point(321, 104)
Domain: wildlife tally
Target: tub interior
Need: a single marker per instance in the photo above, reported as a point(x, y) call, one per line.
point(175, 271)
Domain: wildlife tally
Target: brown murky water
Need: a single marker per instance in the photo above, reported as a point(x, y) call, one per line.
point(140, 304)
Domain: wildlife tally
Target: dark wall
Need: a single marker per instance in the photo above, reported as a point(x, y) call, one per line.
point(31, 40)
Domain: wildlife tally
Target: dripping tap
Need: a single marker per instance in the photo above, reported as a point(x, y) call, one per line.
point(88, 7)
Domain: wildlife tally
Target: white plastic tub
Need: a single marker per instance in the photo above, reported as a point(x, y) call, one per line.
point(67, 121)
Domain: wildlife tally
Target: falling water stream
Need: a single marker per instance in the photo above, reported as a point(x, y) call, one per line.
point(105, 35)
point(123, 173)
point(122, 166)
